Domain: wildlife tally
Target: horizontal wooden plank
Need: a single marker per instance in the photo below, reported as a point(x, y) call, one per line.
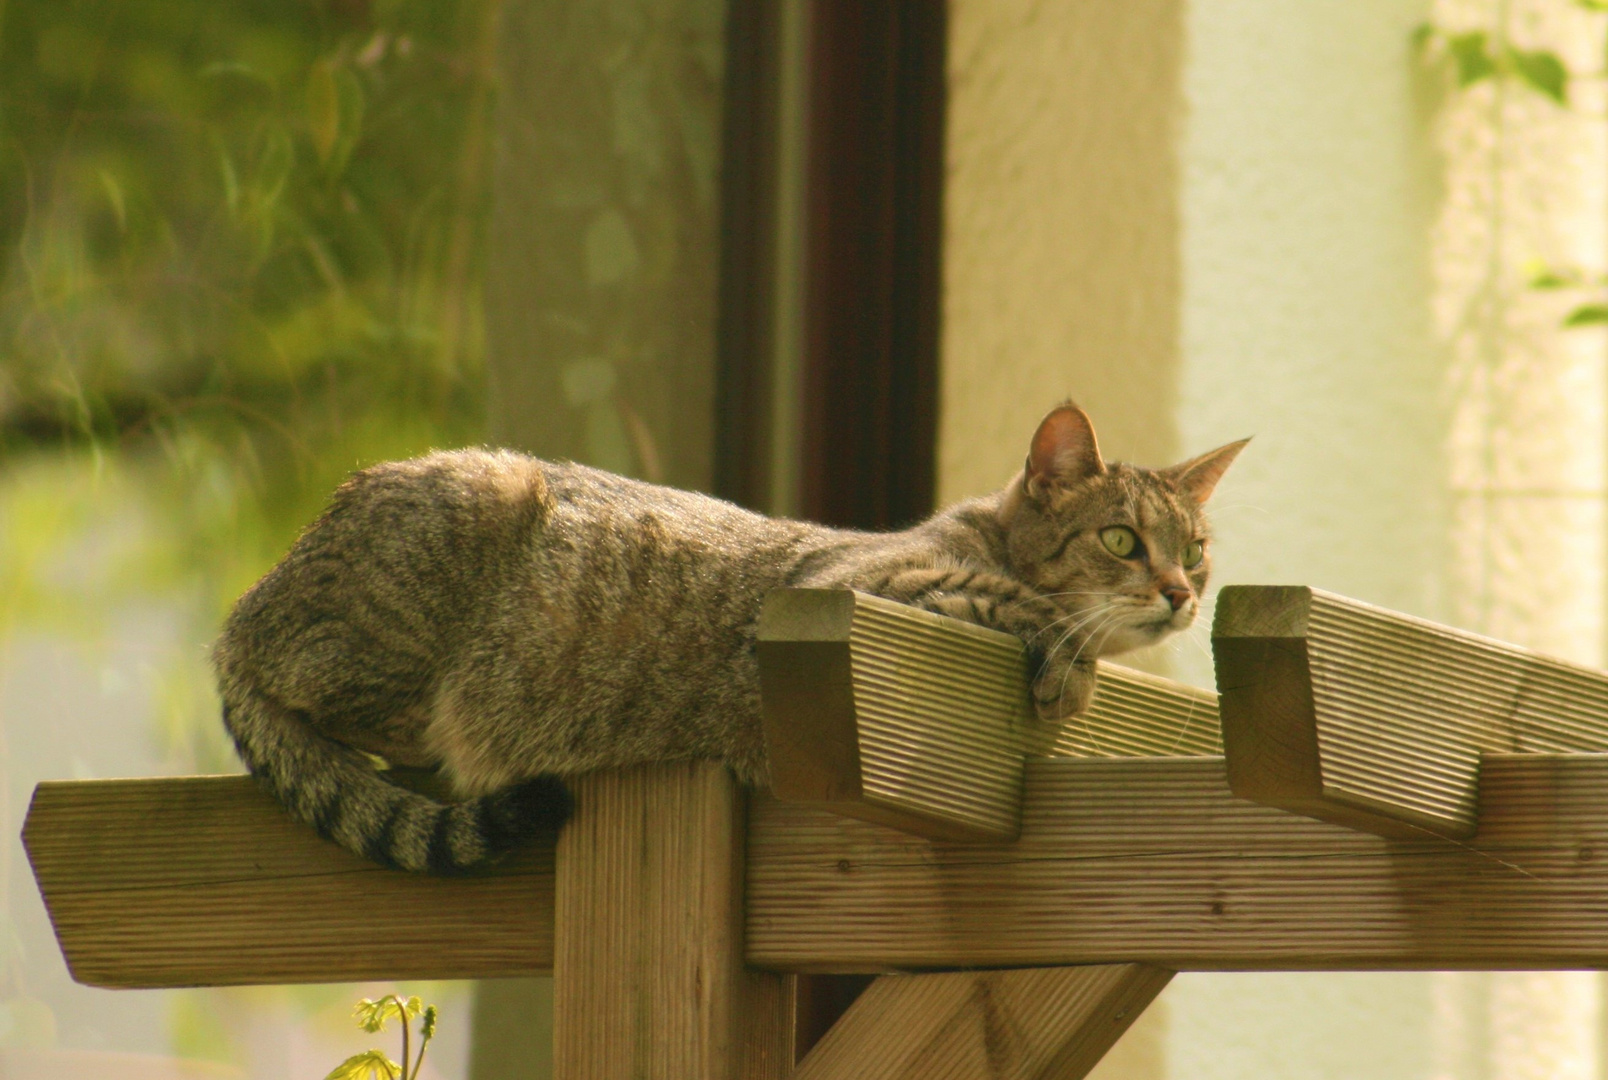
point(1155, 860)
point(1366, 717)
point(205, 881)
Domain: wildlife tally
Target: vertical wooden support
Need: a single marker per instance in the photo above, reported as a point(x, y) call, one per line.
point(1030, 1024)
point(648, 968)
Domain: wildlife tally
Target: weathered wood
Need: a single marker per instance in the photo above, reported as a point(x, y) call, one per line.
point(1154, 860)
point(882, 712)
point(648, 970)
point(204, 880)
point(1377, 720)
point(1029, 1024)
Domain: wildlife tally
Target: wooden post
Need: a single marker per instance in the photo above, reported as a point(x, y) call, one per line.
point(648, 970)
point(1029, 1024)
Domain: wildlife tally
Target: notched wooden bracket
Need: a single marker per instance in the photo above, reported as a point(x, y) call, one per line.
point(886, 713)
point(1377, 720)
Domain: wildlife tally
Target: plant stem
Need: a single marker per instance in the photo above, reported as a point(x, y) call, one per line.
point(402, 1011)
point(419, 1061)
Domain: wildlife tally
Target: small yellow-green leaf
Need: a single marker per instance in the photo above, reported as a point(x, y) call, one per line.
point(1587, 315)
point(369, 1065)
point(1422, 35)
point(1538, 275)
point(1542, 71)
point(1473, 59)
point(323, 108)
point(414, 1006)
point(372, 1015)
point(114, 196)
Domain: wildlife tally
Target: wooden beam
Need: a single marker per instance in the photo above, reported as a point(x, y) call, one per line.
point(204, 881)
point(1154, 860)
point(1030, 1024)
point(1370, 718)
point(885, 713)
point(648, 970)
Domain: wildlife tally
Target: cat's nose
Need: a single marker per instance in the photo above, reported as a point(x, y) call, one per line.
point(1177, 595)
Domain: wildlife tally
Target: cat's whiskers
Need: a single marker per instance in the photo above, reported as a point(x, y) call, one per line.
point(1087, 617)
point(1083, 718)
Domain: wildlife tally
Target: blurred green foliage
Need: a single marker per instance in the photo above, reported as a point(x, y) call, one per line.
point(240, 251)
point(1474, 56)
point(240, 255)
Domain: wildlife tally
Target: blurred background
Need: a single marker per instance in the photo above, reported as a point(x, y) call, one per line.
point(828, 259)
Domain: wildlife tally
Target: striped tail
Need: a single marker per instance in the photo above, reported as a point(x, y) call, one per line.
point(338, 792)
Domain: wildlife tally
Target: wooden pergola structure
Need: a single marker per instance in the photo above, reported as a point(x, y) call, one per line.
point(1386, 793)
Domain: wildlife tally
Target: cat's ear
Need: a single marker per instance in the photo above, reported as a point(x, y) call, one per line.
point(1063, 451)
point(1198, 477)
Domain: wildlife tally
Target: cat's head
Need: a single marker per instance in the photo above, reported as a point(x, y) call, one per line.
point(1124, 551)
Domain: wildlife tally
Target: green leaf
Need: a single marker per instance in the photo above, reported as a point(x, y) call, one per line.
point(1538, 275)
point(323, 108)
point(1542, 71)
point(1473, 58)
point(1422, 35)
point(370, 1065)
point(372, 1015)
point(1587, 315)
point(414, 1006)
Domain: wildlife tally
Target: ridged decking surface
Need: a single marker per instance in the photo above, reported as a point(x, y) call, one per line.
point(943, 714)
point(894, 715)
point(1372, 718)
point(1136, 714)
point(899, 716)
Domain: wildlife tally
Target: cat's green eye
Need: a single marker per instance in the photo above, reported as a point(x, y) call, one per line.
point(1194, 553)
point(1119, 540)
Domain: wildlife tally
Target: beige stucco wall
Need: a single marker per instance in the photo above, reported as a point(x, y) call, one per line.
point(1061, 230)
point(1214, 220)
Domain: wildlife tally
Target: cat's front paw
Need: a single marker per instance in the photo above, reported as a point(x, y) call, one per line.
point(1062, 691)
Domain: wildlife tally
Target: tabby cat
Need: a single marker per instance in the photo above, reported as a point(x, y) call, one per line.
point(511, 621)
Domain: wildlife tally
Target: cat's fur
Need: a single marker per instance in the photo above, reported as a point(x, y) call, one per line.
point(513, 620)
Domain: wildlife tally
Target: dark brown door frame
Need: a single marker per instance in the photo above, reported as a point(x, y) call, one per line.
point(873, 190)
point(873, 222)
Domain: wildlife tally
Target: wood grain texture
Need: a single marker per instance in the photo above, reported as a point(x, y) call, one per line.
point(648, 968)
point(204, 881)
point(1377, 720)
point(1154, 860)
point(1028, 1024)
point(1135, 714)
point(891, 714)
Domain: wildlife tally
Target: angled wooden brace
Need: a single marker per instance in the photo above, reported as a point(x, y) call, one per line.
point(1025, 1024)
